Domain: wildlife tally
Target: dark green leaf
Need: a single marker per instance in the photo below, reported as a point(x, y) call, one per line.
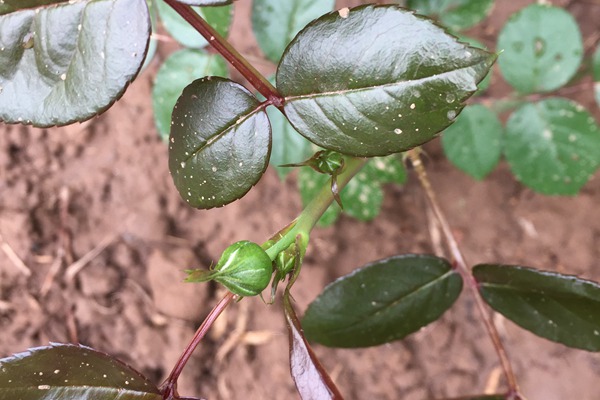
point(276, 22)
point(220, 142)
point(485, 83)
point(174, 75)
point(8, 6)
point(289, 147)
point(311, 379)
point(206, 2)
point(472, 143)
point(455, 14)
point(362, 197)
point(542, 48)
point(69, 62)
point(376, 80)
point(218, 17)
point(562, 308)
point(383, 301)
point(596, 74)
point(71, 372)
point(553, 146)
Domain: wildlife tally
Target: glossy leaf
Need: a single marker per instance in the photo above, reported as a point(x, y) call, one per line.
point(71, 372)
point(596, 74)
point(541, 48)
point(174, 75)
point(376, 80)
point(362, 197)
point(562, 308)
point(553, 146)
point(69, 62)
point(276, 22)
point(472, 143)
point(455, 14)
point(383, 301)
point(218, 17)
point(485, 83)
point(220, 142)
point(8, 6)
point(311, 379)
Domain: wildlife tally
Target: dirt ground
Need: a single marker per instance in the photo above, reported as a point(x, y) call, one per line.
point(99, 239)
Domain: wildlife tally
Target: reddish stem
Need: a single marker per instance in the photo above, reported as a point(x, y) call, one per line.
point(221, 45)
point(464, 270)
point(169, 387)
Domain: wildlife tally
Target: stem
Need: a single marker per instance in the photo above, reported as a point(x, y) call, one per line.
point(315, 209)
point(169, 388)
point(221, 45)
point(464, 270)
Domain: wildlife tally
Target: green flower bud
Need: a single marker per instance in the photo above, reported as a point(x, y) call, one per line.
point(244, 268)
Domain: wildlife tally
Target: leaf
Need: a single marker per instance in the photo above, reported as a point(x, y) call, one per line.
point(362, 197)
point(561, 308)
point(596, 74)
point(276, 22)
point(69, 62)
point(64, 371)
point(289, 146)
point(8, 6)
point(311, 379)
point(485, 83)
point(472, 143)
point(552, 146)
point(455, 14)
point(376, 80)
point(220, 142)
point(541, 48)
point(218, 17)
point(383, 301)
point(174, 75)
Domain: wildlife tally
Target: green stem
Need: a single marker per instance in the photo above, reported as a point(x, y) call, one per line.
point(221, 45)
point(315, 209)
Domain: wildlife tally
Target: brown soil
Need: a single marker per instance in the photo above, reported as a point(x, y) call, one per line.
point(104, 185)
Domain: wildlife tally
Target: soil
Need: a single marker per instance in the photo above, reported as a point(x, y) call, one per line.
point(95, 239)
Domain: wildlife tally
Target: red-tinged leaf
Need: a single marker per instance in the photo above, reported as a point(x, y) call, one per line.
point(312, 381)
point(70, 372)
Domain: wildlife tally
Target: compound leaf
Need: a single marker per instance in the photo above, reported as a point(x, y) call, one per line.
point(552, 146)
point(455, 14)
point(383, 301)
point(220, 142)
point(362, 197)
point(71, 61)
point(561, 308)
point(174, 75)
point(472, 143)
point(542, 48)
point(276, 22)
point(376, 80)
point(311, 379)
point(596, 74)
point(218, 17)
point(64, 371)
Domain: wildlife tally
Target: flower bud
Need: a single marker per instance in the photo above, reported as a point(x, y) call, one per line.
point(244, 268)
